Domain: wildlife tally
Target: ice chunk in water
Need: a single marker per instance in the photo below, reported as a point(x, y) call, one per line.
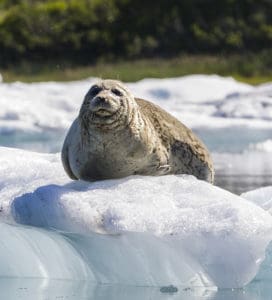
point(262, 197)
point(160, 231)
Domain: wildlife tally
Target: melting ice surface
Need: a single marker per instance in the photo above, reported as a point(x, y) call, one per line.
point(56, 233)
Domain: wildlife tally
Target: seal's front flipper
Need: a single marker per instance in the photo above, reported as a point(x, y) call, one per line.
point(65, 162)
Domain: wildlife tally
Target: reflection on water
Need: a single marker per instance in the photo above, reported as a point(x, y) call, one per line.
point(43, 289)
point(242, 172)
point(239, 184)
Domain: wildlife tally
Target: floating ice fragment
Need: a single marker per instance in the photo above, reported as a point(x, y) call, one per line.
point(265, 146)
point(261, 197)
point(108, 230)
point(53, 105)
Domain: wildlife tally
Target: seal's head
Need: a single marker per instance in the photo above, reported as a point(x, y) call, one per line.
point(108, 103)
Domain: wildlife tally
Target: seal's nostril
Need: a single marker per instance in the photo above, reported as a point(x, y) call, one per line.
point(100, 99)
point(100, 103)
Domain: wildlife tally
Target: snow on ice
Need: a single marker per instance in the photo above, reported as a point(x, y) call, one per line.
point(104, 231)
point(198, 100)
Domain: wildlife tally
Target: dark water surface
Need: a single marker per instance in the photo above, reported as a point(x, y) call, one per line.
point(239, 184)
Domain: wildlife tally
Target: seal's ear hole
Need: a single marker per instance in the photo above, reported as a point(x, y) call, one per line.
point(95, 89)
point(117, 92)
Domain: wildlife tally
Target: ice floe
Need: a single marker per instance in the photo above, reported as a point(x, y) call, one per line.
point(197, 100)
point(139, 230)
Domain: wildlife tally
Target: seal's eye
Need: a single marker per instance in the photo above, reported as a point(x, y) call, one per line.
point(94, 90)
point(117, 92)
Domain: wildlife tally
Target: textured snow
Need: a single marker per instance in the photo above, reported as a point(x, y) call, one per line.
point(197, 100)
point(107, 231)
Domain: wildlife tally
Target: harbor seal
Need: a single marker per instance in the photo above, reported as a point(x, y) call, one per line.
point(117, 135)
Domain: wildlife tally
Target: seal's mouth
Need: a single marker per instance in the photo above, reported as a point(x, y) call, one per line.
point(103, 107)
point(102, 112)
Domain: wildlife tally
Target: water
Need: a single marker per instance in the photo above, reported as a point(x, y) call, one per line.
point(43, 289)
point(234, 139)
point(239, 184)
point(48, 141)
point(238, 168)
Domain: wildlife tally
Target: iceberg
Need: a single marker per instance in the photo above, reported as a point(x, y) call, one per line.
point(139, 231)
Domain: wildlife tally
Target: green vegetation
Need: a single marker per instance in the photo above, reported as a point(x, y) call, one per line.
point(252, 68)
point(82, 31)
point(132, 39)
